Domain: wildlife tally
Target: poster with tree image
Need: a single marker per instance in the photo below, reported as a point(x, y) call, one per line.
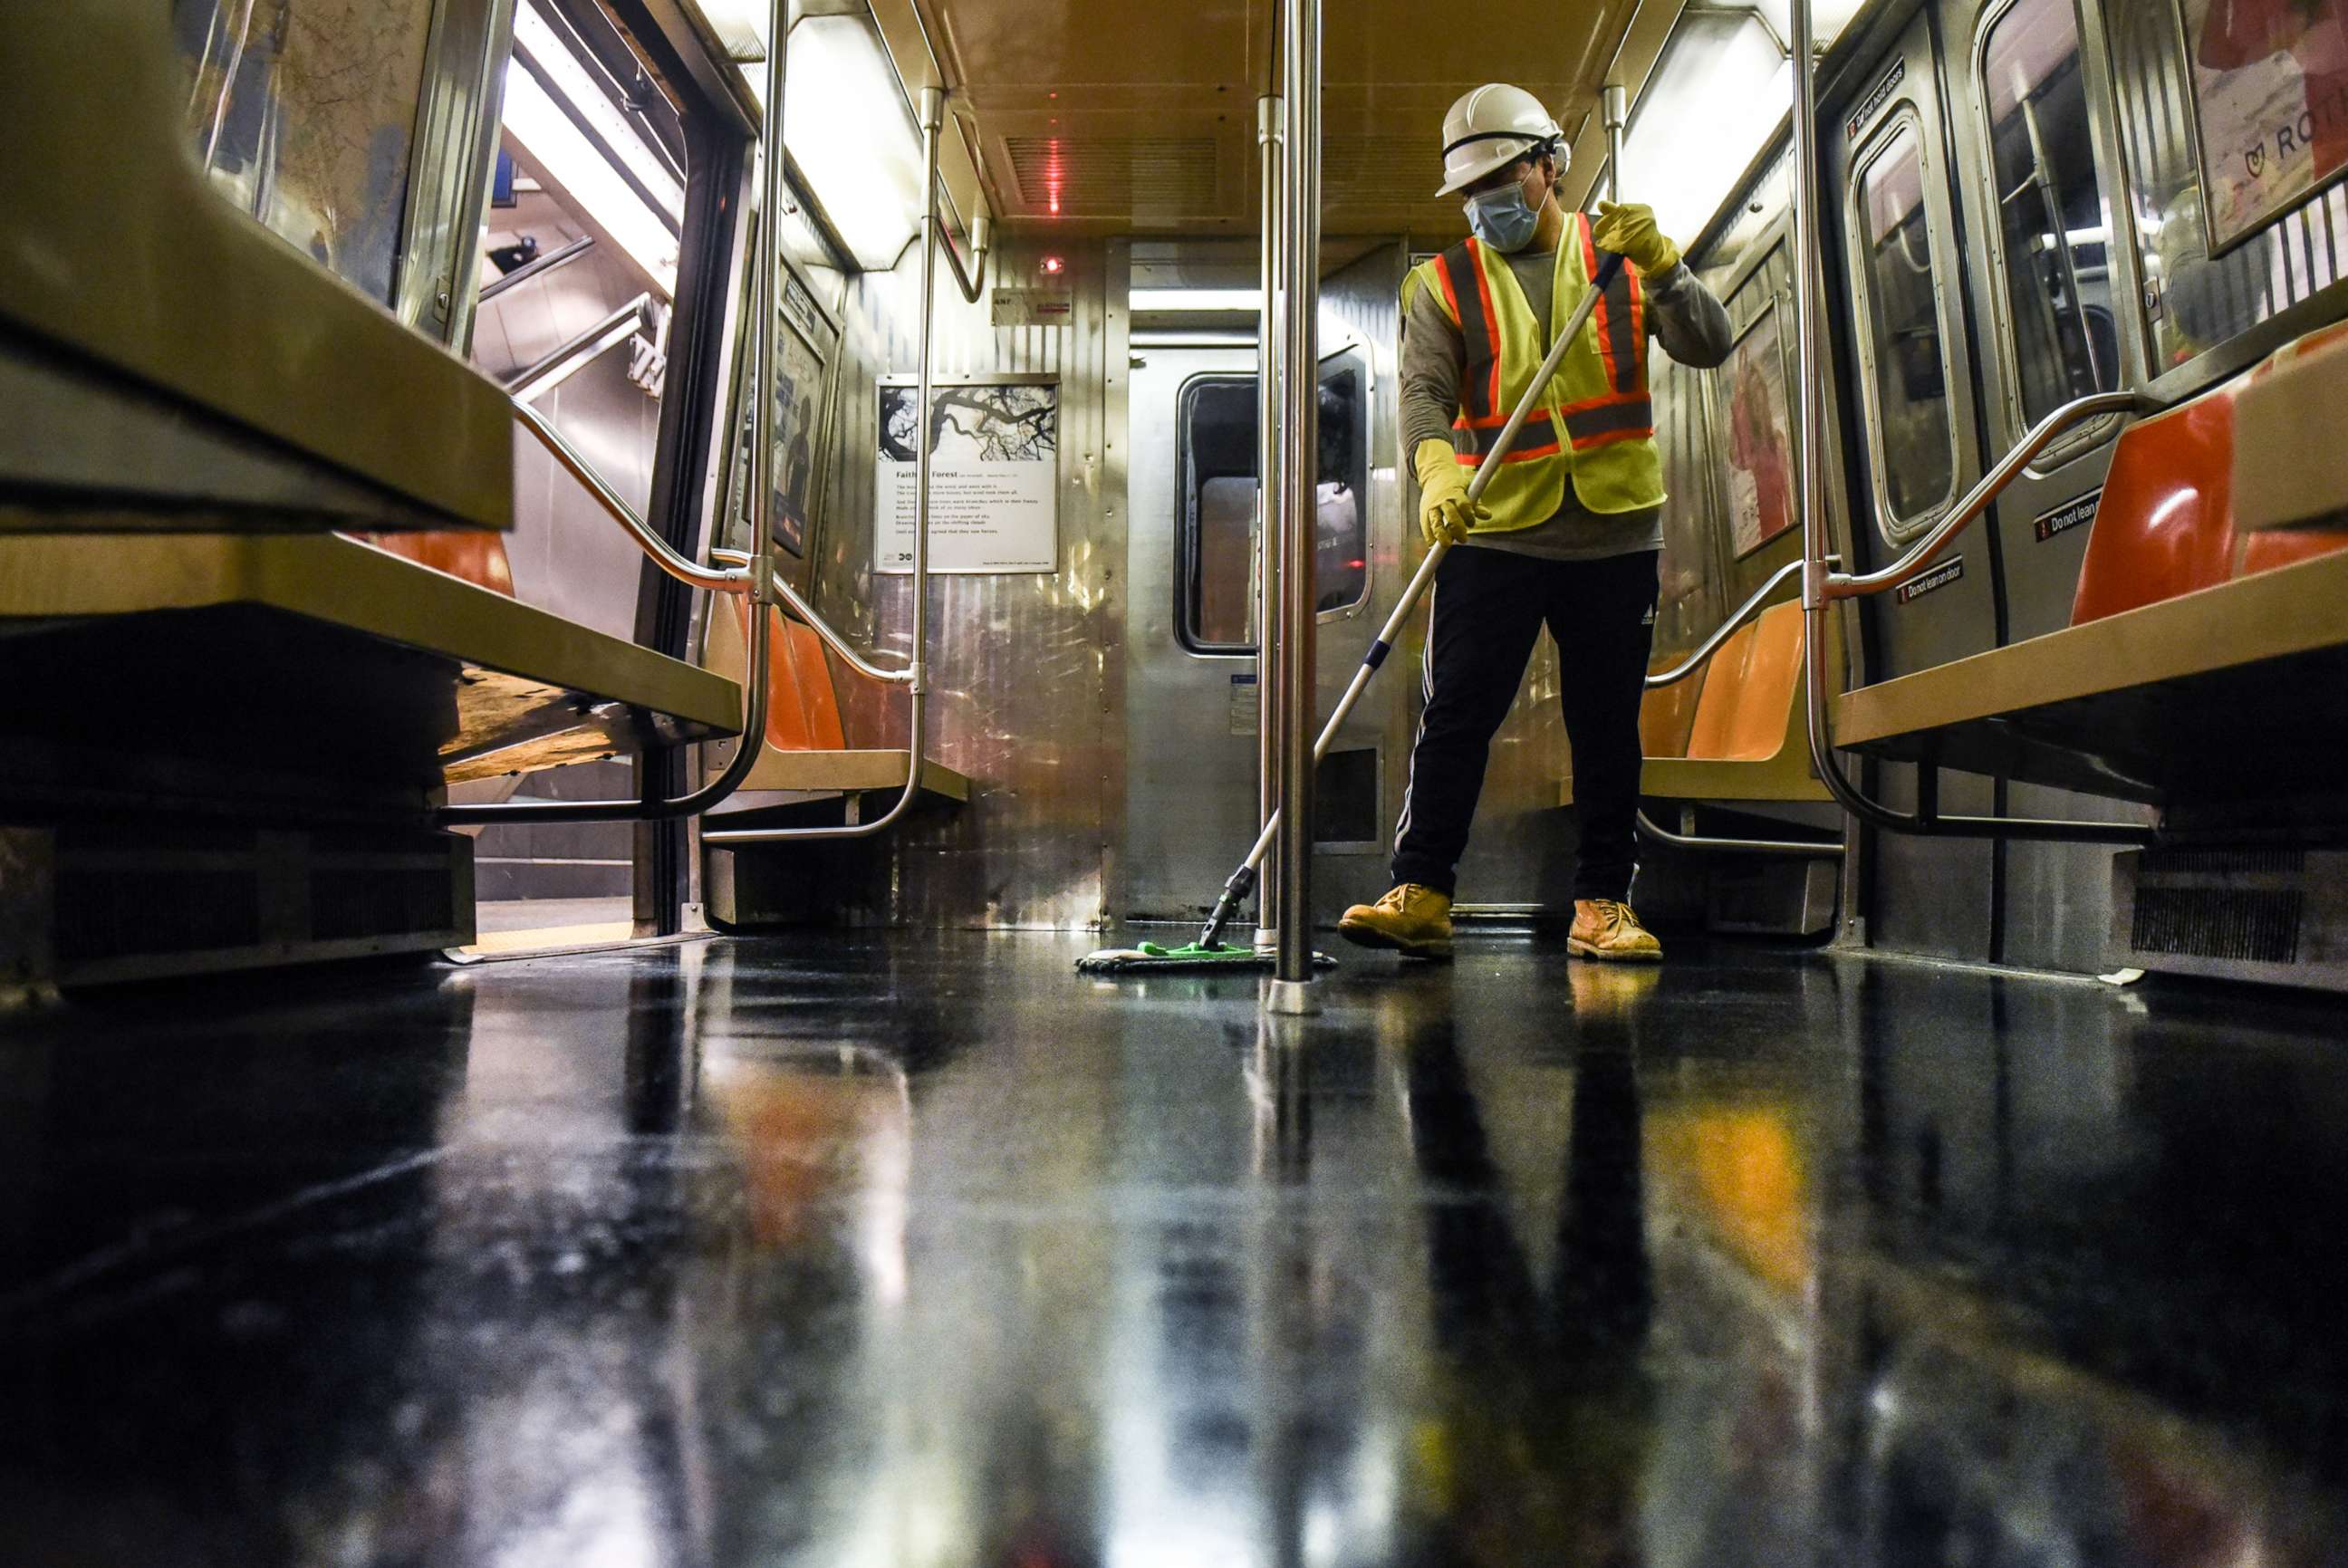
point(2271, 94)
point(994, 464)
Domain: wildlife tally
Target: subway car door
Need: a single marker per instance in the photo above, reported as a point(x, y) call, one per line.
point(2038, 167)
point(1913, 418)
point(1191, 709)
point(1914, 409)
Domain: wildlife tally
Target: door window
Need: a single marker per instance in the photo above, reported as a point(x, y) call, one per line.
point(1907, 378)
point(1215, 555)
point(2053, 243)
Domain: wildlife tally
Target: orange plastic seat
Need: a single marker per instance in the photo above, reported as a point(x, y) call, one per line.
point(2166, 524)
point(1749, 689)
point(465, 555)
point(1667, 715)
point(802, 710)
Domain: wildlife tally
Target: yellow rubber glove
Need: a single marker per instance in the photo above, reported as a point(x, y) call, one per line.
point(1444, 509)
point(1629, 230)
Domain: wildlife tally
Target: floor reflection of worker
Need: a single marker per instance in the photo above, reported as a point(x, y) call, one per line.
point(1540, 1437)
point(1566, 534)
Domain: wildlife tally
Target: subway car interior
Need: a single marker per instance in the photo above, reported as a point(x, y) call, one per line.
point(698, 755)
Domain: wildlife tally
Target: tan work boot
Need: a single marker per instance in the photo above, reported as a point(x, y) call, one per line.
point(1608, 929)
point(1413, 921)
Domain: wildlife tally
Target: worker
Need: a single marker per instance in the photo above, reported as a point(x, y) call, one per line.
point(1567, 535)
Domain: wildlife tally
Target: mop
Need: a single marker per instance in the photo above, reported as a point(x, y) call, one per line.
point(1208, 952)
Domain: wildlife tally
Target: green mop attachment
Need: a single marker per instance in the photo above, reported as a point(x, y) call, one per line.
point(1149, 958)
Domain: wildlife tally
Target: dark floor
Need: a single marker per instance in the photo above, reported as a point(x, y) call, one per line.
point(852, 1251)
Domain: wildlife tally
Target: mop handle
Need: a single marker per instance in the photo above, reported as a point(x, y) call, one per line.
point(1608, 264)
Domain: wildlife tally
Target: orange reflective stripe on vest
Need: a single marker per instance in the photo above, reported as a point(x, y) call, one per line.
point(1591, 433)
point(1620, 318)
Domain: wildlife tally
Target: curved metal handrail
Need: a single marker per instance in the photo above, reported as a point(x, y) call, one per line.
point(1791, 849)
point(916, 677)
point(1725, 630)
point(823, 629)
point(651, 809)
point(1978, 500)
point(690, 572)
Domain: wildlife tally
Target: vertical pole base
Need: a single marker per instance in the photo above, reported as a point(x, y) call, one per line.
point(1267, 939)
point(1292, 998)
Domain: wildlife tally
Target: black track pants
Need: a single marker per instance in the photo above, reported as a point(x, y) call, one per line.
point(1489, 608)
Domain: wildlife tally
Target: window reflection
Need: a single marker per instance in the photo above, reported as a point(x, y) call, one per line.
point(303, 113)
point(2054, 246)
point(1216, 554)
point(1915, 446)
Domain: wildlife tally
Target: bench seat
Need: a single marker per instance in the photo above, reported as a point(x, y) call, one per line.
point(2207, 656)
point(2236, 689)
point(806, 757)
point(232, 660)
point(1738, 725)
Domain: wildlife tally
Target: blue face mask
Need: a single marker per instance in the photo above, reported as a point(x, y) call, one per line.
point(1502, 219)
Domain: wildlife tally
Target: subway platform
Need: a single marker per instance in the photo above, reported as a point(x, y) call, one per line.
point(921, 1252)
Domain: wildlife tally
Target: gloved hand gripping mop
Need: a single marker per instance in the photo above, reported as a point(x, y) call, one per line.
point(1207, 950)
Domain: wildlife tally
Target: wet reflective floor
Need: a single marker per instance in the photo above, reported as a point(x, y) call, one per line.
point(921, 1250)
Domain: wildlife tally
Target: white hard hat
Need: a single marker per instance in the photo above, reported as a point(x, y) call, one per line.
point(1491, 129)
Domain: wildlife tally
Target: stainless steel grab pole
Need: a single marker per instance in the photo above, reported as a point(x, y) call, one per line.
point(1788, 849)
point(1614, 105)
point(1291, 991)
point(821, 627)
point(1711, 644)
point(917, 676)
point(972, 282)
point(1270, 334)
point(1983, 494)
point(1820, 586)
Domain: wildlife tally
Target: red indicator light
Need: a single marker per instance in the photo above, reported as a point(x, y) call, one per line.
point(1054, 265)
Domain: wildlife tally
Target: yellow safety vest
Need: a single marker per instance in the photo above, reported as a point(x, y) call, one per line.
point(1599, 397)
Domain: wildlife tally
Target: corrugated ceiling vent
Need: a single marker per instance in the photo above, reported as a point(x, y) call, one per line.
point(1387, 171)
point(1115, 176)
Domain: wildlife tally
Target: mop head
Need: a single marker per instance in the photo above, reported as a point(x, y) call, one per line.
point(1149, 958)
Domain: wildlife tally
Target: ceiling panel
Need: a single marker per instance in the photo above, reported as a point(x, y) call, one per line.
point(1147, 109)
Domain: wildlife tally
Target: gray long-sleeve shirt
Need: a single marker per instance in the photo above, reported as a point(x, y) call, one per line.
point(1682, 314)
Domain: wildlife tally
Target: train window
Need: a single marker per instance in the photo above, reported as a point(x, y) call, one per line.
point(1907, 382)
point(1215, 555)
point(2228, 122)
point(2051, 244)
point(303, 113)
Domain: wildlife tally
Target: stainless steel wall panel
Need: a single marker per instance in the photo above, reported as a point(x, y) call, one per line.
point(1028, 684)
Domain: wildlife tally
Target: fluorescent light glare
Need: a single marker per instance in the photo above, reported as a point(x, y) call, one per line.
point(1246, 300)
point(585, 180)
point(533, 34)
point(848, 129)
point(1718, 92)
